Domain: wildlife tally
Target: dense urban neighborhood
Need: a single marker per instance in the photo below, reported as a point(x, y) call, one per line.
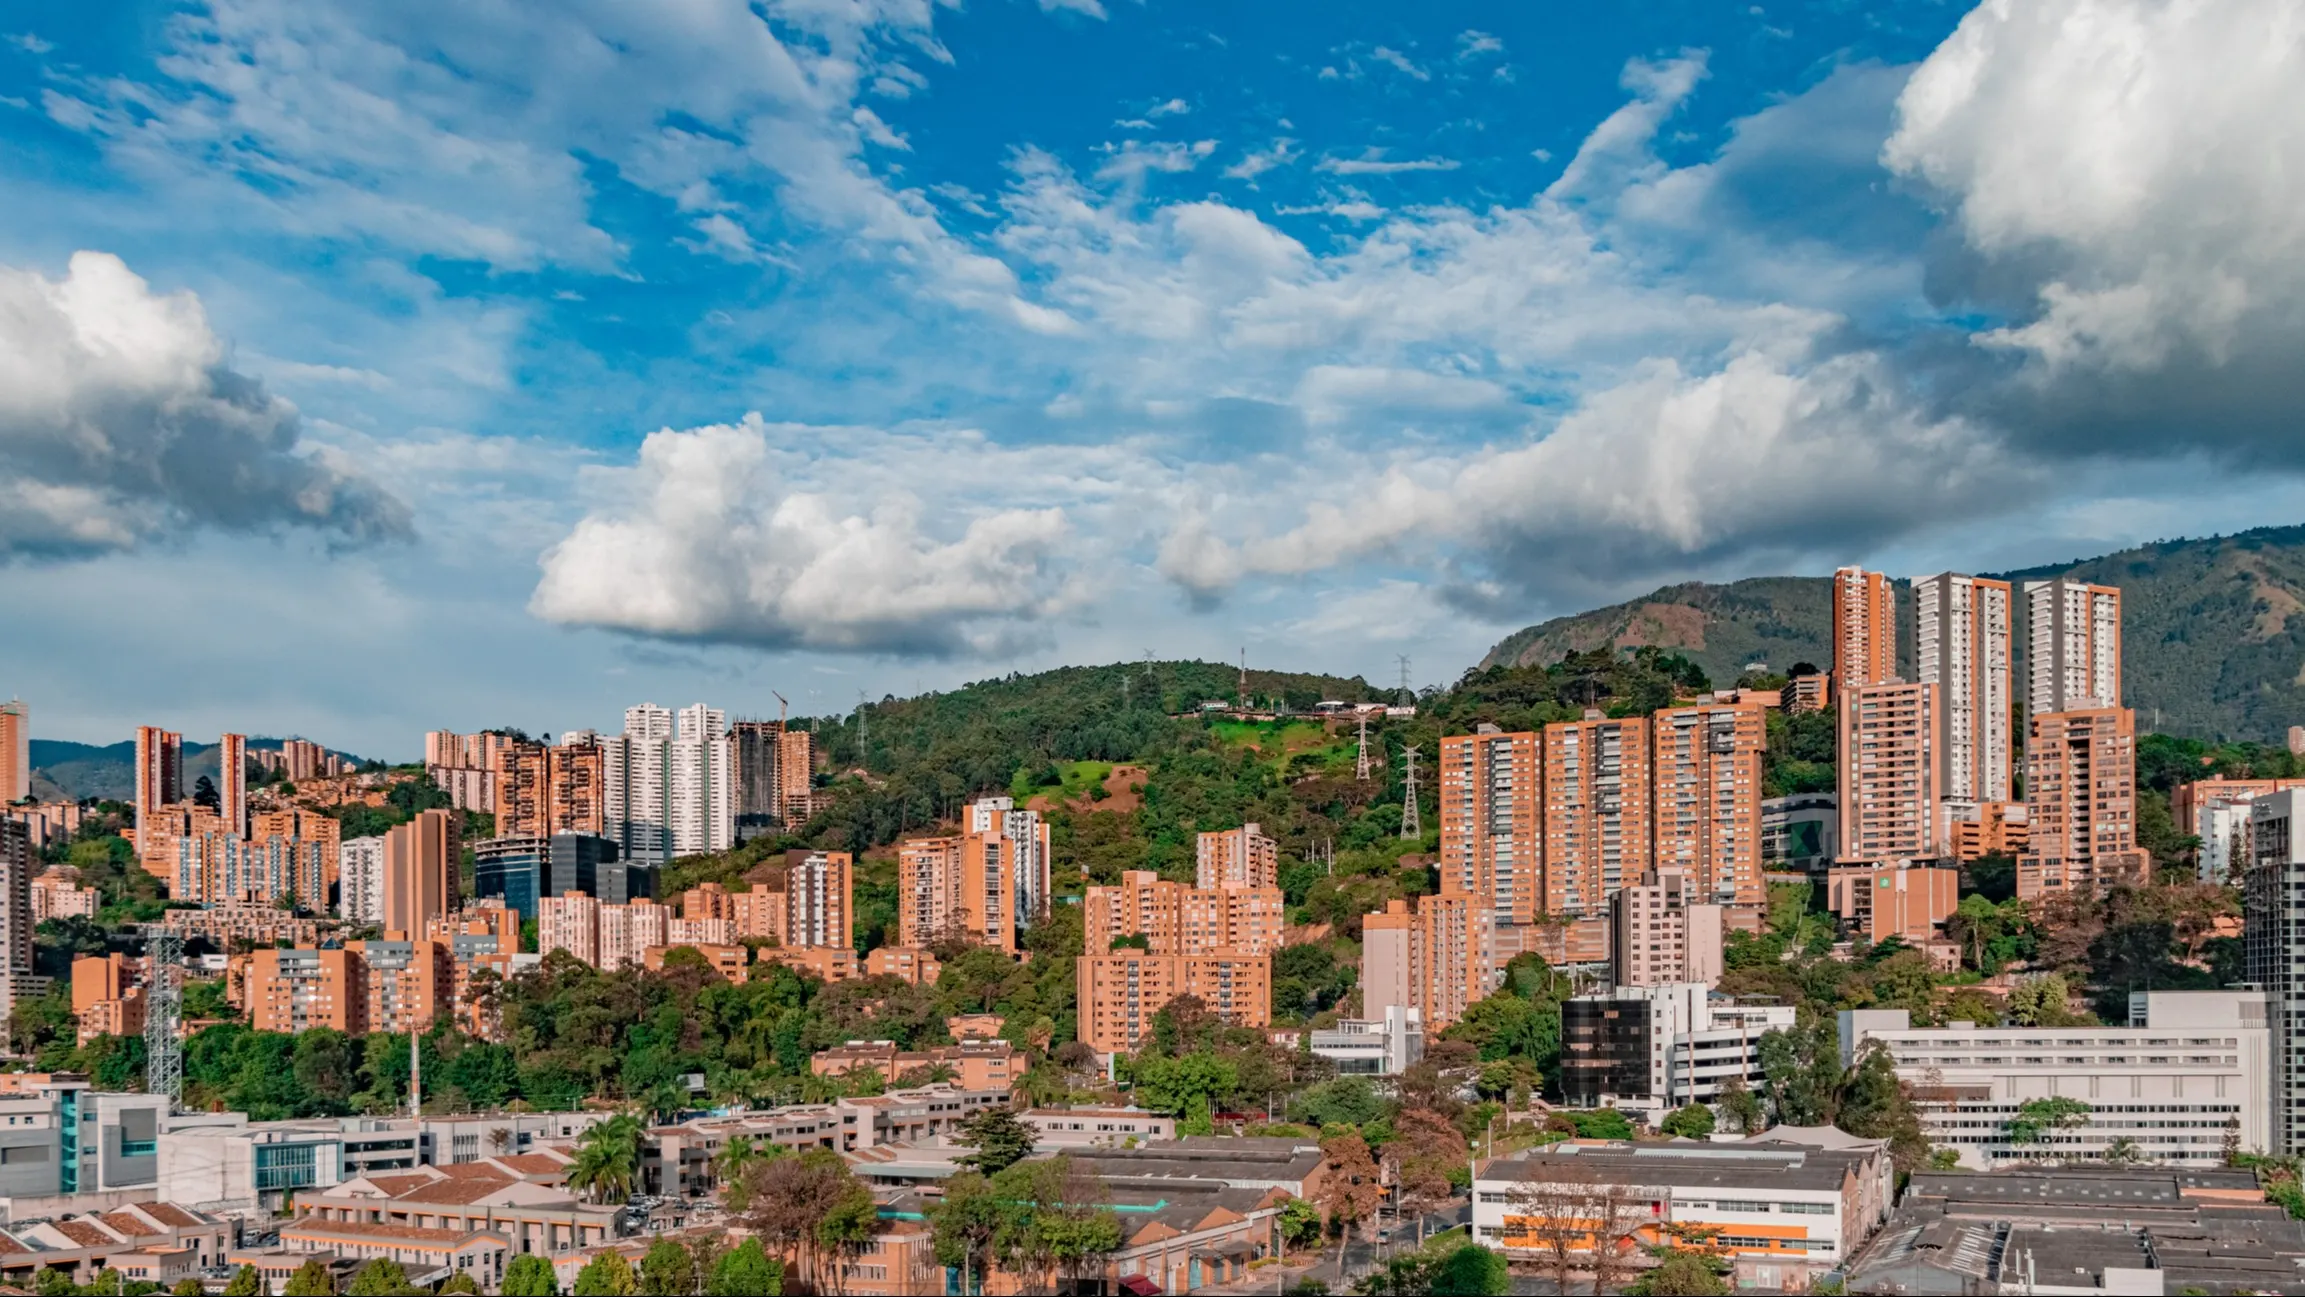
point(1175, 976)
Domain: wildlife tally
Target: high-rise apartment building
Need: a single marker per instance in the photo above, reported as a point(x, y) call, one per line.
point(931, 903)
point(410, 984)
point(1596, 818)
point(1665, 930)
point(570, 922)
point(1491, 843)
point(1437, 957)
point(1890, 734)
point(1120, 992)
point(1706, 777)
point(818, 891)
point(360, 881)
point(159, 775)
point(2081, 802)
point(2273, 952)
point(422, 861)
point(232, 781)
point(1005, 868)
point(15, 751)
point(311, 845)
point(1864, 628)
point(542, 790)
point(1962, 637)
point(1178, 920)
point(1242, 857)
point(298, 989)
point(17, 865)
point(2072, 646)
point(668, 790)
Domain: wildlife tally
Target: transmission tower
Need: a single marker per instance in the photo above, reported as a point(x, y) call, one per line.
point(860, 731)
point(1407, 698)
point(1409, 826)
point(1244, 679)
point(1363, 773)
point(163, 1011)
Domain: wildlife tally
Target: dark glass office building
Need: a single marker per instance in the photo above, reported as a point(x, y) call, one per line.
point(520, 870)
point(512, 870)
point(1604, 1050)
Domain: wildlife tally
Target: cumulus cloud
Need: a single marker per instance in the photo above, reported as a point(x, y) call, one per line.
point(703, 539)
point(121, 424)
point(1780, 450)
point(2127, 182)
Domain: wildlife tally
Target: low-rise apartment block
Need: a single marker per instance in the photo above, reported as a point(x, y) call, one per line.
point(1877, 902)
point(974, 1065)
point(1664, 931)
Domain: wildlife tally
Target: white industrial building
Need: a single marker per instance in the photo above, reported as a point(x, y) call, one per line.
point(2189, 1067)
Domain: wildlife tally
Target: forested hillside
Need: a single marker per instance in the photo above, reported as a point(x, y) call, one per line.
point(2212, 645)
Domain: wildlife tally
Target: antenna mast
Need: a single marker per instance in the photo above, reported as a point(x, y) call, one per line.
point(163, 1012)
point(1244, 687)
point(1363, 773)
point(1407, 699)
point(1409, 826)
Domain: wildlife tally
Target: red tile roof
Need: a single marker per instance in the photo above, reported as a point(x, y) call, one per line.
point(168, 1213)
point(85, 1234)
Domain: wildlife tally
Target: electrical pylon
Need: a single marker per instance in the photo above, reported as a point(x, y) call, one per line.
point(163, 1011)
point(1410, 828)
point(1363, 770)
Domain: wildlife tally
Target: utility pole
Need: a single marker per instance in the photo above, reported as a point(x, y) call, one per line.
point(1363, 769)
point(1410, 828)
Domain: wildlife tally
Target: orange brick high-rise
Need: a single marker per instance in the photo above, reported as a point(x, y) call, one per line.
point(1491, 835)
point(1215, 943)
point(1890, 734)
point(1864, 628)
point(2081, 800)
point(1707, 804)
point(1597, 823)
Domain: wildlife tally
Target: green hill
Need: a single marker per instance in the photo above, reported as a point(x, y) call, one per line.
point(2212, 646)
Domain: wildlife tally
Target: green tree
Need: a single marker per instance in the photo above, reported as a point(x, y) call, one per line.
point(2036, 1119)
point(379, 1278)
point(999, 1138)
point(1874, 1104)
point(1681, 1273)
point(1741, 1107)
point(245, 1282)
point(190, 1287)
point(1299, 1222)
point(607, 1159)
point(460, 1282)
point(668, 1270)
point(312, 1279)
point(1692, 1122)
point(965, 1224)
point(747, 1269)
point(1803, 1067)
point(52, 1282)
point(530, 1275)
point(609, 1275)
point(846, 1231)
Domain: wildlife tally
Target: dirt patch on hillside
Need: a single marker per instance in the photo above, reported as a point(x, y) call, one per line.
point(1664, 625)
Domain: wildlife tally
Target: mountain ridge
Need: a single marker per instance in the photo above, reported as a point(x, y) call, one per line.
point(2212, 643)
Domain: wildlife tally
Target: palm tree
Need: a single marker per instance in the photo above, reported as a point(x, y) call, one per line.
point(739, 1153)
point(607, 1161)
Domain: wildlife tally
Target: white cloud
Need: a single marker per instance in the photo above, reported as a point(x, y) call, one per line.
point(1169, 108)
point(1777, 451)
point(120, 424)
point(2139, 166)
point(1373, 162)
point(1400, 62)
point(1090, 8)
point(1131, 159)
point(30, 43)
point(1256, 162)
point(1617, 152)
point(1471, 44)
point(704, 539)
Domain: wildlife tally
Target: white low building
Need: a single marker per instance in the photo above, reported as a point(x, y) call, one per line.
point(2190, 1067)
point(1651, 1049)
point(1384, 1046)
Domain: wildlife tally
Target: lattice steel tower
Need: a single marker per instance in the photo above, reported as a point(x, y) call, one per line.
point(163, 1012)
point(1410, 828)
point(1363, 772)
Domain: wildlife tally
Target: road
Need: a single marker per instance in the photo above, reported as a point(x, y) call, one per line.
point(1361, 1257)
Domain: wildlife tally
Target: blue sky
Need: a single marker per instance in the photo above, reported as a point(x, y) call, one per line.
point(372, 367)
